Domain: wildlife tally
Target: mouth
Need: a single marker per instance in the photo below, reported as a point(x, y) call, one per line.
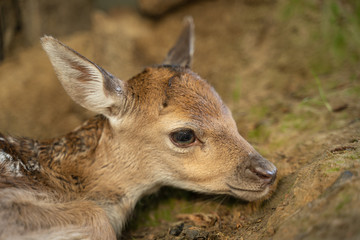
point(249, 194)
point(232, 188)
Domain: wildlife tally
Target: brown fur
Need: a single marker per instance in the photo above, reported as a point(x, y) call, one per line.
point(84, 185)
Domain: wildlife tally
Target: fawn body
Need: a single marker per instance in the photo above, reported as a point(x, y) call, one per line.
point(165, 126)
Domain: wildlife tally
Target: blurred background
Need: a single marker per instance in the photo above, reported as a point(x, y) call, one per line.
point(288, 70)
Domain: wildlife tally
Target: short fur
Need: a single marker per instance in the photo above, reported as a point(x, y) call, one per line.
point(84, 185)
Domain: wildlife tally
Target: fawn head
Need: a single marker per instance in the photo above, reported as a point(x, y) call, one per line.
point(167, 123)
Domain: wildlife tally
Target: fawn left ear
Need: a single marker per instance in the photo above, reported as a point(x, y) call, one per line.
point(86, 83)
point(182, 52)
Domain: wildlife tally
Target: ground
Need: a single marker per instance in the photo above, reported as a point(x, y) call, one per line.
point(289, 71)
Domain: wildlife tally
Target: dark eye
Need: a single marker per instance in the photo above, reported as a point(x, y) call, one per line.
point(183, 138)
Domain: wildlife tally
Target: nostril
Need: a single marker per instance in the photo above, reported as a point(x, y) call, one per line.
point(261, 173)
point(267, 176)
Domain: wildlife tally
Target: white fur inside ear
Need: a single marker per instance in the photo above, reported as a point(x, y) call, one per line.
point(82, 79)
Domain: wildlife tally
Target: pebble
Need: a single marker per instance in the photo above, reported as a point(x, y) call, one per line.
point(188, 232)
point(194, 233)
point(176, 230)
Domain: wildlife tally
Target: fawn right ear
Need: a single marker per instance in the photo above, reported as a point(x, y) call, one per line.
point(182, 52)
point(86, 83)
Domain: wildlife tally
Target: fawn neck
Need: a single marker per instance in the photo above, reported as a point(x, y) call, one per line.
point(83, 162)
point(79, 165)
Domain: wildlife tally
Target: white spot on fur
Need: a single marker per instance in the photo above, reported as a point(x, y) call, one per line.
point(10, 140)
point(5, 157)
point(11, 167)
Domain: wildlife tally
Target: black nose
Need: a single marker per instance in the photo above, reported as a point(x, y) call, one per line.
point(268, 176)
point(260, 168)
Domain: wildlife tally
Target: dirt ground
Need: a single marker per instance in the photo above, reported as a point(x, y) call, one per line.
point(294, 95)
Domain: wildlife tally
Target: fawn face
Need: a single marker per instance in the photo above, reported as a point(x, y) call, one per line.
point(168, 123)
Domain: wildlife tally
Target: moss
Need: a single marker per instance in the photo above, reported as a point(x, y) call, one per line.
point(354, 157)
point(300, 121)
point(345, 199)
point(259, 112)
point(335, 169)
point(259, 134)
point(334, 164)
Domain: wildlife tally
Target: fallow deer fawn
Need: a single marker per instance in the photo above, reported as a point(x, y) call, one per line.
point(165, 126)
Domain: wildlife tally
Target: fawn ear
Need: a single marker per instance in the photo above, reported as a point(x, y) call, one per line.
point(86, 83)
point(182, 52)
